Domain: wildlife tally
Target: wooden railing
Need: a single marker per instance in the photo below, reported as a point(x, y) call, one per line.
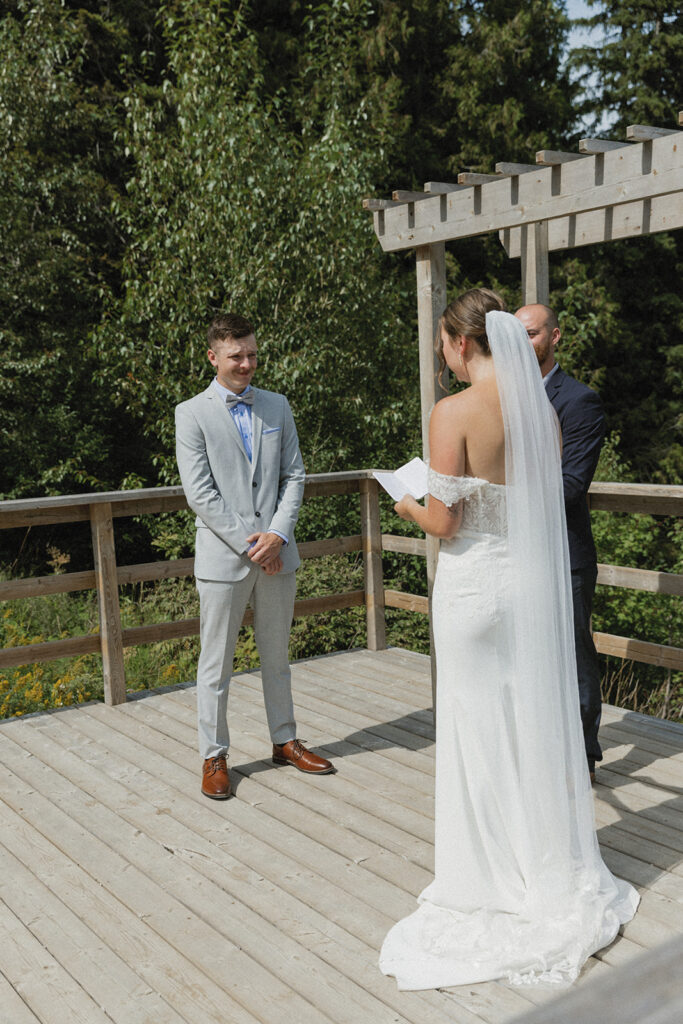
point(100, 510)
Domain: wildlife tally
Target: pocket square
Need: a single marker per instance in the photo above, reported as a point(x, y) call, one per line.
point(271, 430)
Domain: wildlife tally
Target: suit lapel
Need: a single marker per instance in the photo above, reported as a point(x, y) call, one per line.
point(256, 427)
point(554, 384)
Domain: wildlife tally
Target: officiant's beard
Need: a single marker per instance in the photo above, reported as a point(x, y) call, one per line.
point(543, 348)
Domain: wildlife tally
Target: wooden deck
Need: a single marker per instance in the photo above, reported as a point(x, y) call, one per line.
point(128, 897)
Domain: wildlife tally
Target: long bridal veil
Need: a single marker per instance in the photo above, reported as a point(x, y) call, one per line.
point(521, 837)
point(564, 857)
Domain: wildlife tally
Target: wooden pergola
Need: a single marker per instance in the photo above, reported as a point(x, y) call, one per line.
point(607, 191)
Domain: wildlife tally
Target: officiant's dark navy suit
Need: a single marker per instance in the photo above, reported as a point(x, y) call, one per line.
point(583, 429)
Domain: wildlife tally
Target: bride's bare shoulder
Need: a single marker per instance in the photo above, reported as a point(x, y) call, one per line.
point(451, 407)
point(454, 407)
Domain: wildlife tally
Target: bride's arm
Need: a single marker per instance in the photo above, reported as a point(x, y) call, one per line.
point(447, 456)
point(435, 518)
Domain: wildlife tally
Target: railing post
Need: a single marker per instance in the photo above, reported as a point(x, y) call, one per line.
point(371, 533)
point(111, 637)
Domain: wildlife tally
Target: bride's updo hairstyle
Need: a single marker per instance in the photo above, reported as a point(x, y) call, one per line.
point(467, 315)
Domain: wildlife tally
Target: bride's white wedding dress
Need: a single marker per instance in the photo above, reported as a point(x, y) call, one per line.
point(520, 889)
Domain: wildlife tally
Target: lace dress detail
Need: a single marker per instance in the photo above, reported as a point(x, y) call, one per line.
point(484, 509)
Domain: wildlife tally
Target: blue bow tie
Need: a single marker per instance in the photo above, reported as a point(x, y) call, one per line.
point(247, 397)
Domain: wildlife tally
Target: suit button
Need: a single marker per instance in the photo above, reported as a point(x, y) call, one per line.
point(257, 514)
point(254, 484)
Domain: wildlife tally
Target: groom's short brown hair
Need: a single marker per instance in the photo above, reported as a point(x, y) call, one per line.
point(228, 325)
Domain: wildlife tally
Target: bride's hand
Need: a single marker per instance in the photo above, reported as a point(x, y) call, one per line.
point(404, 507)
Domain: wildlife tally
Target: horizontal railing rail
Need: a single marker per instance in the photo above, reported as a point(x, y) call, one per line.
point(100, 510)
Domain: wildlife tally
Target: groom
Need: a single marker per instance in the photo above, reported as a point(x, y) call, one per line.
point(242, 473)
point(583, 429)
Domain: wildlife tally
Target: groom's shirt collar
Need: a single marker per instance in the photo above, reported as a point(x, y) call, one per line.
point(223, 391)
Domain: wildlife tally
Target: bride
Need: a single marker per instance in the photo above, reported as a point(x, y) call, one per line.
point(520, 889)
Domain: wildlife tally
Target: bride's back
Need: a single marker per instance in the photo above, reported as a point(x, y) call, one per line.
point(468, 438)
point(484, 432)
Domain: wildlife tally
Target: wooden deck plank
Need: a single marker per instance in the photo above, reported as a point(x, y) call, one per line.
point(118, 990)
point(13, 1006)
point(153, 872)
point(647, 723)
point(274, 904)
point(645, 748)
point(615, 957)
point(652, 853)
point(627, 843)
point(247, 930)
point(314, 715)
point(305, 923)
point(478, 1000)
point(614, 838)
point(305, 802)
point(659, 835)
point(361, 915)
point(386, 800)
point(39, 979)
point(157, 962)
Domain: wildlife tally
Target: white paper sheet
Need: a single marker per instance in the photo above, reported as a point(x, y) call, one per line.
point(410, 478)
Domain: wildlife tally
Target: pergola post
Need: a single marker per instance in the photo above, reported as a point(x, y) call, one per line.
point(535, 265)
point(431, 301)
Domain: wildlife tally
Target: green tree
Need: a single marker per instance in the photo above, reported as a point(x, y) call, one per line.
point(227, 208)
point(631, 289)
point(634, 73)
point(60, 80)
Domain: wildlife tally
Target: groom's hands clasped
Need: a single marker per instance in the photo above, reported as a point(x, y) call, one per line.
point(264, 549)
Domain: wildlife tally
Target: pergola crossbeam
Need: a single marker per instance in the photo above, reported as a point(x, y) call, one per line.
point(552, 157)
point(629, 175)
point(600, 145)
point(508, 169)
point(442, 188)
point(376, 205)
point(405, 196)
point(472, 178)
point(645, 132)
point(626, 220)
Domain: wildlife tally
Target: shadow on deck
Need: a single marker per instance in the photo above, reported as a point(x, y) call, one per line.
point(129, 897)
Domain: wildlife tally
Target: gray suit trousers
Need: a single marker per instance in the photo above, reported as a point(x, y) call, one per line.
point(222, 607)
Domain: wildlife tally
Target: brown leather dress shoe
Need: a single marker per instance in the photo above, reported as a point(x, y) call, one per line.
point(296, 754)
point(215, 778)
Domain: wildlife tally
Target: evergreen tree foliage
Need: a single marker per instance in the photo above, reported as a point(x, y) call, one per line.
point(635, 72)
point(633, 77)
point(505, 93)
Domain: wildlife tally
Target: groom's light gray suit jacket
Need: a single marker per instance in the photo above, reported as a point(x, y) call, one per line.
point(231, 496)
